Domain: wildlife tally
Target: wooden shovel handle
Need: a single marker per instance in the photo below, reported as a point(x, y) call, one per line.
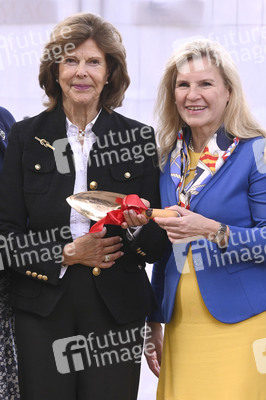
point(157, 212)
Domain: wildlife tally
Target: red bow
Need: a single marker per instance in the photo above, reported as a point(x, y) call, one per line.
point(116, 217)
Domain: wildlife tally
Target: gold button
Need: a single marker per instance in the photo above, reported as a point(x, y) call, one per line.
point(45, 278)
point(127, 175)
point(39, 276)
point(93, 185)
point(34, 274)
point(96, 271)
point(28, 273)
point(37, 167)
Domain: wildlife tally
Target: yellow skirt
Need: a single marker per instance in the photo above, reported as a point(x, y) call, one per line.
point(204, 359)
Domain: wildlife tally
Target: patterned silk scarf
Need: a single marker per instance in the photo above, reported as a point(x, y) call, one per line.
point(214, 155)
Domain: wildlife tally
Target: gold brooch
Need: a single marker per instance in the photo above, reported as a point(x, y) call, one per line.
point(44, 143)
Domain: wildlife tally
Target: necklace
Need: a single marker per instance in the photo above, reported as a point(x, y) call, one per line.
point(81, 133)
point(190, 145)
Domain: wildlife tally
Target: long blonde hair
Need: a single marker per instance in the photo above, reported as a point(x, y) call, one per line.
point(238, 119)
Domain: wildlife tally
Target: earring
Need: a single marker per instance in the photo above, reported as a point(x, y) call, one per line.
point(57, 80)
point(106, 83)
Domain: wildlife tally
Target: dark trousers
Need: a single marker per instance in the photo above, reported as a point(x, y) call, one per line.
point(78, 352)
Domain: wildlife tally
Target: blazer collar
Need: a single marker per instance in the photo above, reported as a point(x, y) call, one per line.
point(167, 187)
point(99, 128)
point(56, 124)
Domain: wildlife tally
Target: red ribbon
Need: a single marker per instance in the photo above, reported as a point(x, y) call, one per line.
point(116, 217)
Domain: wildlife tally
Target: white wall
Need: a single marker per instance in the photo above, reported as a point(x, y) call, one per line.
point(151, 29)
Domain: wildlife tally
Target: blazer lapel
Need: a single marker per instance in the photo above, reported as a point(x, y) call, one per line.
point(56, 125)
point(102, 123)
point(167, 187)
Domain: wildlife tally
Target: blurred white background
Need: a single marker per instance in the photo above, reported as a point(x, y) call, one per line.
point(151, 30)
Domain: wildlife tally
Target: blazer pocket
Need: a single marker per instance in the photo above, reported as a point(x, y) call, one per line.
point(26, 287)
point(37, 172)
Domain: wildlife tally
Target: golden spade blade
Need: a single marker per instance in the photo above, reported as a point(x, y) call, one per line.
point(94, 204)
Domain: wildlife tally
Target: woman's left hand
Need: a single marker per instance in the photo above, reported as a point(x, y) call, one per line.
point(188, 225)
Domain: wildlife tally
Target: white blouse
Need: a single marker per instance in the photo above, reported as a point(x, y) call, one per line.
point(79, 225)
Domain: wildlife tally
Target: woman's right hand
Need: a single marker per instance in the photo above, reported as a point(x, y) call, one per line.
point(134, 219)
point(91, 249)
point(153, 346)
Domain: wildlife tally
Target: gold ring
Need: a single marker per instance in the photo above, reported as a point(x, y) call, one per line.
point(107, 258)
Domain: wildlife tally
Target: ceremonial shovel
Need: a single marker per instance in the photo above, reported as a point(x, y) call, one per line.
point(95, 204)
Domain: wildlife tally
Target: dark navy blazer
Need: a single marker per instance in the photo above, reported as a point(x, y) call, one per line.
point(33, 196)
point(232, 281)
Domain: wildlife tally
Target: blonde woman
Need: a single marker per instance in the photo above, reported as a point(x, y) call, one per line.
point(211, 283)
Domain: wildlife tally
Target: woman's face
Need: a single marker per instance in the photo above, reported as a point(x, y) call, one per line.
point(201, 95)
point(82, 75)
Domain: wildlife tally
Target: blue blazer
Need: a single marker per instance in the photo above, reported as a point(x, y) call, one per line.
point(6, 121)
point(232, 281)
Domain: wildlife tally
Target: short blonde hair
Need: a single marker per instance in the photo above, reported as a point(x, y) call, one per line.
point(238, 119)
point(69, 34)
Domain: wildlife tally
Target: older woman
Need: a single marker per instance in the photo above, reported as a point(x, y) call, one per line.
point(80, 298)
point(211, 283)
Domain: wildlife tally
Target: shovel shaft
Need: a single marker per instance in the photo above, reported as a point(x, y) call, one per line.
point(157, 212)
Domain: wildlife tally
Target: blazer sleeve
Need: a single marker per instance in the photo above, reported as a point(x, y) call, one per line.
point(246, 245)
point(150, 243)
point(158, 283)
